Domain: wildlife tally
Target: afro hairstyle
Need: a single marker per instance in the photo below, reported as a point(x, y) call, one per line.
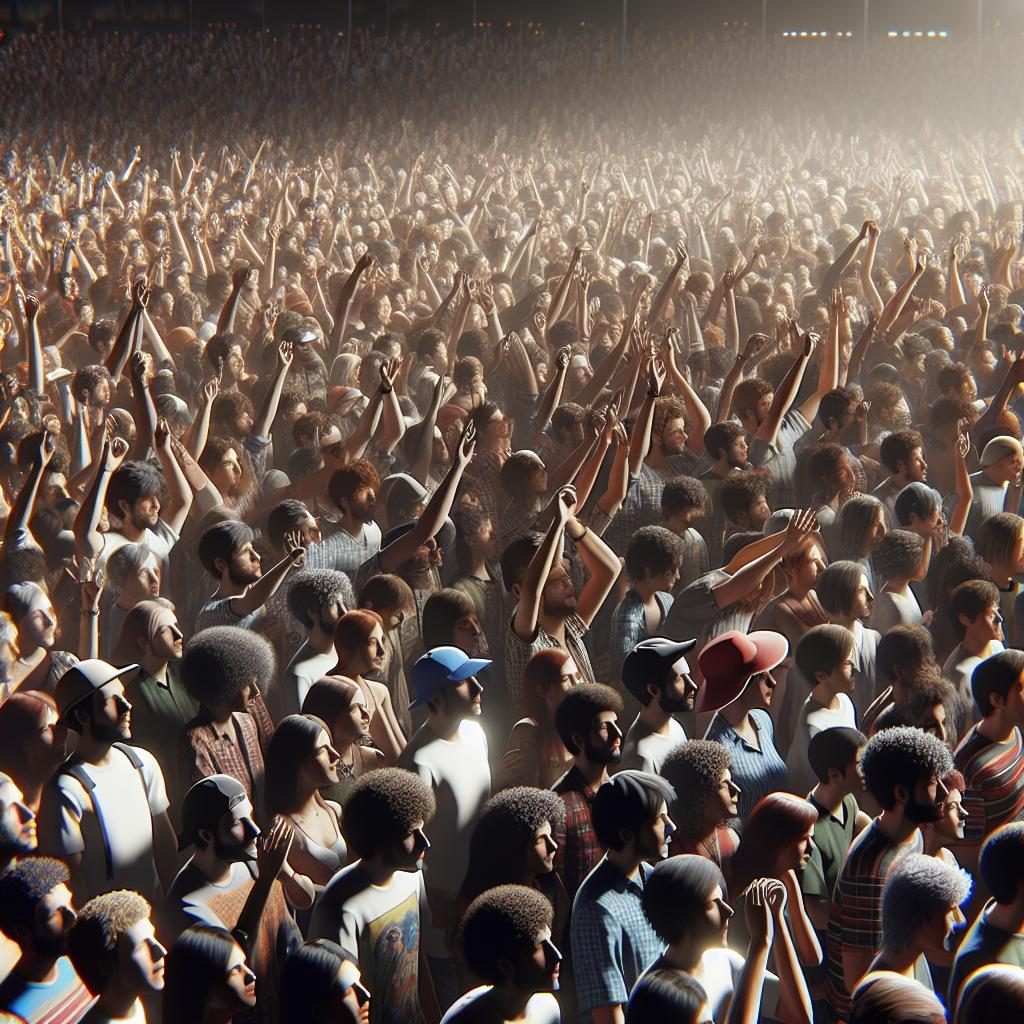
point(694, 769)
point(902, 756)
point(92, 941)
point(917, 888)
point(221, 661)
point(573, 717)
point(23, 885)
point(383, 807)
point(309, 590)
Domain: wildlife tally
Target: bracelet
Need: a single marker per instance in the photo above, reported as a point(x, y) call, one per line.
point(92, 612)
point(385, 391)
point(576, 540)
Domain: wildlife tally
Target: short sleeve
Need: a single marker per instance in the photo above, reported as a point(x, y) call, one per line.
point(153, 776)
point(70, 799)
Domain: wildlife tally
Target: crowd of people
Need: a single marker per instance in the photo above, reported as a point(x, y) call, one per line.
point(486, 540)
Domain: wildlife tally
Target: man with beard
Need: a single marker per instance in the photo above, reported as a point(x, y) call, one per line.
point(991, 756)
point(656, 674)
point(226, 552)
point(548, 612)
point(507, 943)
point(587, 722)
point(902, 455)
point(35, 911)
point(316, 599)
point(903, 768)
point(921, 916)
point(449, 753)
point(231, 881)
point(613, 943)
point(106, 809)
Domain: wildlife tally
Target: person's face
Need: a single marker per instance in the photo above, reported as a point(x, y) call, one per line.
point(540, 857)
point(554, 693)
point(863, 600)
point(354, 723)
point(17, 821)
point(673, 437)
point(762, 688)
point(467, 633)
point(410, 851)
point(603, 743)
point(99, 396)
point(228, 473)
point(464, 699)
point(938, 935)
point(986, 627)
point(877, 531)
point(49, 747)
point(840, 679)
point(536, 967)
point(144, 583)
point(495, 432)
point(737, 453)
point(52, 920)
point(329, 614)
point(917, 468)
point(373, 651)
point(111, 713)
point(40, 628)
point(145, 513)
point(807, 567)
point(362, 504)
point(1007, 469)
point(1013, 706)
point(559, 592)
point(140, 958)
point(485, 542)
point(759, 513)
point(653, 836)
point(666, 581)
point(322, 767)
point(924, 803)
point(763, 407)
point(166, 644)
point(795, 856)
point(723, 802)
point(935, 722)
point(236, 835)
point(679, 691)
point(348, 1001)
point(245, 567)
point(716, 917)
point(237, 992)
point(845, 476)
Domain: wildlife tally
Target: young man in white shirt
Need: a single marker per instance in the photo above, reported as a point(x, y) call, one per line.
point(449, 753)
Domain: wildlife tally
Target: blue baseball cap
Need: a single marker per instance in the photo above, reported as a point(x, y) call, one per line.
point(439, 667)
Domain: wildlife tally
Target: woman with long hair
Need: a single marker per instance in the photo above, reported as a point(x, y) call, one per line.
point(859, 529)
point(777, 843)
point(32, 744)
point(359, 644)
point(207, 978)
point(300, 761)
point(320, 985)
point(450, 620)
point(535, 754)
point(341, 705)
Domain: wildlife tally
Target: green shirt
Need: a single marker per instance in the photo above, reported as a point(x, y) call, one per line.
point(832, 838)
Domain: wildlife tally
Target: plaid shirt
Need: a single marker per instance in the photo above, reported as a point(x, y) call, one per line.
point(340, 550)
point(578, 848)
point(518, 652)
point(482, 479)
point(855, 916)
point(613, 943)
point(629, 627)
point(203, 750)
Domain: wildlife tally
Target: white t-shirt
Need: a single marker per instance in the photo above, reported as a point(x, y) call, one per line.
point(305, 669)
point(128, 805)
point(460, 777)
point(719, 975)
point(645, 750)
point(475, 1008)
point(380, 926)
point(814, 719)
point(160, 539)
point(892, 609)
point(960, 666)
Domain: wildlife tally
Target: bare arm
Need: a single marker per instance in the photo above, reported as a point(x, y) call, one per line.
point(532, 587)
point(36, 379)
point(895, 305)
point(258, 593)
point(88, 539)
point(964, 490)
point(828, 371)
point(553, 394)
point(602, 566)
point(43, 447)
point(786, 392)
point(268, 407)
point(179, 494)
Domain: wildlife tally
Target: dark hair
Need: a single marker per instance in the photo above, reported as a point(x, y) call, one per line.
point(310, 589)
point(739, 492)
point(92, 941)
point(468, 520)
point(579, 707)
point(1002, 861)
point(22, 717)
point(386, 590)
point(915, 499)
point(883, 997)
point(350, 478)
point(653, 548)
point(898, 447)
point(131, 482)
point(834, 404)
point(517, 471)
point(665, 996)
point(498, 925)
point(822, 649)
point(992, 993)
point(441, 611)
point(996, 675)
point(776, 821)
point(898, 555)
point(287, 515)
point(822, 464)
point(196, 964)
point(908, 648)
point(694, 770)
point(23, 885)
point(629, 801)
point(902, 756)
point(223, 541)
point(834, 749)
point(221, 661)
point(227, 407)
point(382, 808)
point(88, 377)
point(720, 437)
point(971, 598)
point(677, 891)
point(307, 981)
point(516, 558)
point(681, 494)
point(294, 741)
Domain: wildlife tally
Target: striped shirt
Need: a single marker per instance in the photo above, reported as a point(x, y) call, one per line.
point(855, 916)
point(65, 1000)
point(994, 773)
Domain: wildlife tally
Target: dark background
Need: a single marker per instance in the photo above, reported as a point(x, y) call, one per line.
point(958, 17)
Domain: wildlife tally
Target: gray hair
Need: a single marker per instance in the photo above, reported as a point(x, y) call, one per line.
point(918, 887)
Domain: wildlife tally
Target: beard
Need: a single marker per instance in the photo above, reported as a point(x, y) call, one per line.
point(106, 733)
point(601, 755)
point(242, 579)
point(232, 852)
point(673, 704)
point(922, 813)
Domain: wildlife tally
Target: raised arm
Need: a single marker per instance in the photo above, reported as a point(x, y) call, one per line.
point(794, 1004)
point(754, 344)
point(36, 378)
point(145, 407)
point(956, 297)
point(422, 435)
point(895, 305)
point(245, 276)
point(179, 494)
point(88, 539)
point(828, 371)
point(531, 590)
point(198, 431)
point(553, 394)
point(602, 566)
point(268, 407)
point(664, 293)
point(43, 446)
point(257, 594)
point(697, 416)
point(640, 442)
point(841, 264)
point(344, 306)
point(745, 1005)
point(1011, 379)
point(964, 490)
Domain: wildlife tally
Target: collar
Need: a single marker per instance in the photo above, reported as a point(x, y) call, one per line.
point(613, 878)
point(823, 811)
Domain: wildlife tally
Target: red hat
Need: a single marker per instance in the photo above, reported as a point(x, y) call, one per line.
point(728, 662)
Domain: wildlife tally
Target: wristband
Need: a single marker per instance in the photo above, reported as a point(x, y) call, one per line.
point(386, 391)
point(91, 612)
point(576, 540)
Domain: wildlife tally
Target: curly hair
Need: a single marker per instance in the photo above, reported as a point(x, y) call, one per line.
point(902, 756)
point(227, 408)
point(221, 661)
point(677, 891)
point(917, 888)
point(739, 492)
point(23, 885)
point(383, 807)
point(309, 590)
point(655, 550)
point(682, 494)
point(1002, 861)
point(92, 941)
point(719, 437)
point(898, 555)
point(898, 447)
point(350, 478)
point(498, 925)
point(89, 377)
point(749, 392)
point(504, 832)
point(695, 771)
point(666, 409)
point(579, 708)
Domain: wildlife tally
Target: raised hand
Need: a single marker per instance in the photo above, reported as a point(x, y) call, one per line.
point(115, 451)
point(566, 504)
point(137, 367)
point(296, 547)
point(161, 435)
point(656, 374)
point(963, 432)
point(285, 354)
point(240, 276)
point(467, 445)
point(757, 912)
point(562, 357)
point(755, 344)
point(273, 848)
point(211, 388)
point(31, 303)
point(388, 374)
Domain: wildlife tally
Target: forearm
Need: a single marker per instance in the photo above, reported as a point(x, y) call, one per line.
point(249, 920)
point(839, 267)
point(21, 512)
point(964, 497)
point(357, 441)
point(664, 293)
point(550, 401)
point(895, 305)
point(747, 579)
point(569, 467)
point(724, 408)
point(392, 424)
point(956, 285)
point(258, 593)
point(794, 998)
point(343, 309)
point(537, 572)
point(179, 494)
point(587, 476)
point(194, 439)
point(860, 350)
point(145, 419)
point(640, 441)
point(697, 415)
point(36, 379)
point(732, 326)
point(745, 1006)
point(89, 634)
point(226, 320)
point(117, 358)
point(268, 407)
